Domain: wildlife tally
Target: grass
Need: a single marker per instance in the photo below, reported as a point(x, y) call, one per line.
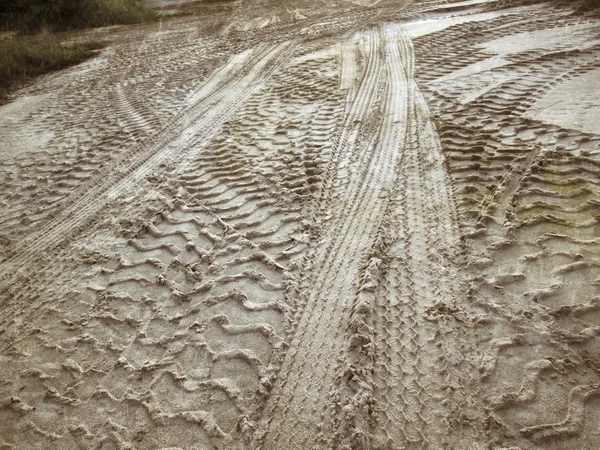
point(588, 5)
point(25, 57)
point(33, 16)
point(122, 11)
point(38, 47)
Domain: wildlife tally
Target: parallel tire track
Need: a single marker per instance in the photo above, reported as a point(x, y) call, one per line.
point(312, 364)
point(201, 119)
point(382, 396)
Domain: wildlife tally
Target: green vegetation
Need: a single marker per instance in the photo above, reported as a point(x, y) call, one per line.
point(26, 54)
point(23, 58)
point(588, 5)
point(32, 16)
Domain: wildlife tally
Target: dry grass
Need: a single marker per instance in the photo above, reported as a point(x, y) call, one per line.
point(33, 16)
point(25, 55)
point(22, 58)
point(588, 5)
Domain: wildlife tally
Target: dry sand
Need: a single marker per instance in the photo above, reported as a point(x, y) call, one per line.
point(308, 225)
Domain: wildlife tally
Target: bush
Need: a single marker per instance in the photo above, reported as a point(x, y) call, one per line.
point(22, 58)
point(588, 5)
point(32, 16)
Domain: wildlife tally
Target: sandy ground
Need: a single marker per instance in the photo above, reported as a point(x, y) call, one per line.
point(308, 225)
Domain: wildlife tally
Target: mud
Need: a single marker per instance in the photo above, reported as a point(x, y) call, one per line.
point(352, 225)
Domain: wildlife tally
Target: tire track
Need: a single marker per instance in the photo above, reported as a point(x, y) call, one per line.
point(383, 401)
point(348, 70)
point(421, 276)
point(202, 120)
point(359, 109)
point(526, 189)
point(291, 395)
point(310, 369)
point(184, 327)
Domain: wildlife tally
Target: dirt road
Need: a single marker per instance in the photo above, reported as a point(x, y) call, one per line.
point(289, 225)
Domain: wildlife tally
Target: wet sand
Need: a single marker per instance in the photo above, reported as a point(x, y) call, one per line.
point(352, 225)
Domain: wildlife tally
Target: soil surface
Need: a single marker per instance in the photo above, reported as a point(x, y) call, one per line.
point(308, 225)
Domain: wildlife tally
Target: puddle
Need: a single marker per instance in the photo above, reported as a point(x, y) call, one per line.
point(571, 104)
point(427, 26)
point(566, 37)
